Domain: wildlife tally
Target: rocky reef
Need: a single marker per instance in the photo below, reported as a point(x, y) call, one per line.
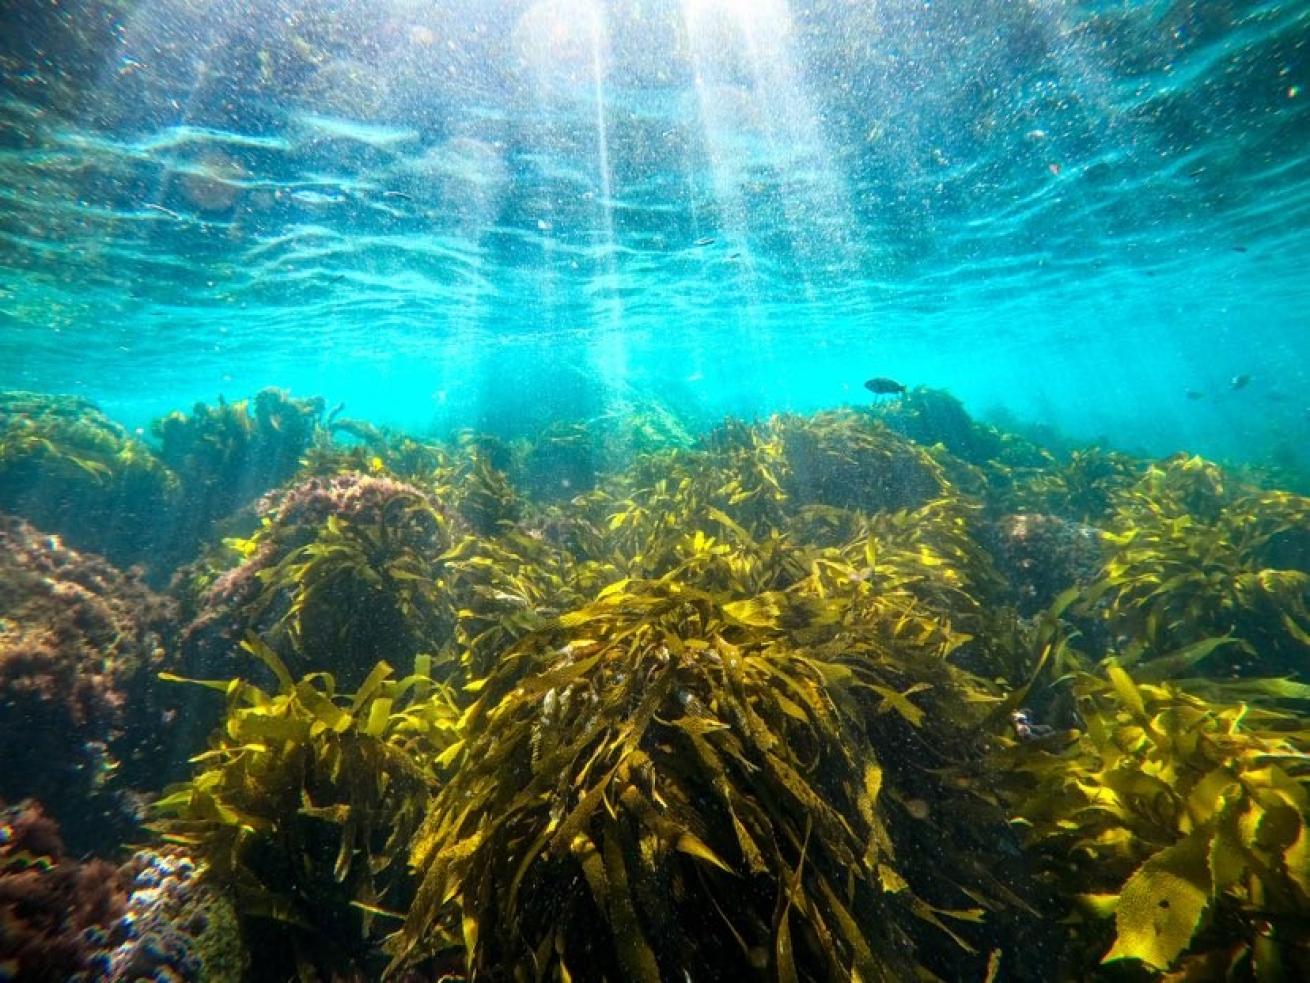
point(91, 921)
point(82, 719)
point(886, 693)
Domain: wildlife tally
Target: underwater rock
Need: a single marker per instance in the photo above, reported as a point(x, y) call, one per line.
point(65, 920)
point(53, 909)
point(342, 573)
point(1042, 555)
point(174, 927)
point(68, 469)
point(82, 722)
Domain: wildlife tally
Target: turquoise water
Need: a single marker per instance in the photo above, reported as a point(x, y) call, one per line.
point(497, 214)
point(531, 663)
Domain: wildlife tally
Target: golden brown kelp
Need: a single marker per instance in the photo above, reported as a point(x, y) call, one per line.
point(1081, 489)
point(343, 571)
point(477, 488)
point(852, 460)
point(69, 470)
point(1184, 818)
point(228, 455)
point(700, 750)
point(1196, 560)
point(305, 804)
point(496, 590)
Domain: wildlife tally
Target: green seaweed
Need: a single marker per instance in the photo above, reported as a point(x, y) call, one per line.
point(1193, 556)
point(71, 471)
point(1183, 817)
point(305, 802)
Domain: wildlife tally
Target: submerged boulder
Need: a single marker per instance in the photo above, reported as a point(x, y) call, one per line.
point(83, 726)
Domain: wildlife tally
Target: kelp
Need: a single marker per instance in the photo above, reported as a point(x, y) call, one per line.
point(229, 454)
point(70, 471)
point(1183, 817)
point(1083, 488)
point(933, 416)
point(306, 800)
point(723, 756)
point(1191, 557)
point(497, 590)
point(343, 571)
point(851, 460)
point(738, 708)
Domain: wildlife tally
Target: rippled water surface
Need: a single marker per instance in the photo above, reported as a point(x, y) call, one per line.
point(1091, 215)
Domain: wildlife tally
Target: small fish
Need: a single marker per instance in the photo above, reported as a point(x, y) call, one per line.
point(1240, 381)
point(1054, 168)
point(704, 241)
point(397, 194)
point(882, 386)
point(1193, 394)
point(1036, 134)
point(1239, 249)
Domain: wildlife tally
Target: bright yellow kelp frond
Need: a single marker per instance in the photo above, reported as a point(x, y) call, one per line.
point(1191, 815)
point(663, 782)
point(307, 799)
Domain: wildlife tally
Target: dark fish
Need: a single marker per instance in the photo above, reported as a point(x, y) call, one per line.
point(1240, 381)
point(1193, 394)
point(1239, 249)
point(882, 386)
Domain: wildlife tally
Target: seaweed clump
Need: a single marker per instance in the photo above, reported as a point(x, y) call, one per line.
point(1183, 817)
point(725, 734)
point(228, 455)
point(305, 802)
point(68, 469)
point(343, 571)
point(81, 725)
point(1196, 559)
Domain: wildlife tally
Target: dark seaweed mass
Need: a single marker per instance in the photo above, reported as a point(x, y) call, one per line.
point(882, 691)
